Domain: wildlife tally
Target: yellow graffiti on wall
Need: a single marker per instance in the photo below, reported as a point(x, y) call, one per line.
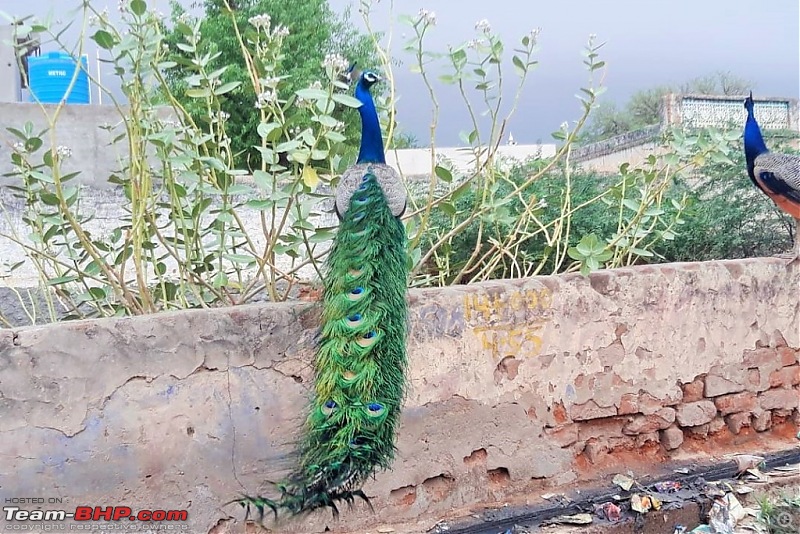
point(509, 324)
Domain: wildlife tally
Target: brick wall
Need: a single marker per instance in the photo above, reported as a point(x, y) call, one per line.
point(516, 387)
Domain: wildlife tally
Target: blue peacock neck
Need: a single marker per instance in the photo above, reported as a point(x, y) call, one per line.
point(754, 144)
point(371, 150)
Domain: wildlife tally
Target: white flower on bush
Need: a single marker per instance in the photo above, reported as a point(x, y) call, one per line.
point(272, 82)
point(264, 99)
point(428, 17)
point(63, 152)
point(281, 32)
point(261, 22)
point(335, 62)
point(222, 116)
point(483, 26)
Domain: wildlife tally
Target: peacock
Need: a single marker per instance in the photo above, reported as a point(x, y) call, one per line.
point(777, 175)
point(360, 364)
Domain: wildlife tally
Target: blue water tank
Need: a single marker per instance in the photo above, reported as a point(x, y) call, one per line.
point(49, 77)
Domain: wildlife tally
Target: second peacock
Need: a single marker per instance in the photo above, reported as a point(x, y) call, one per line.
point(360, 366)
point(777, 175)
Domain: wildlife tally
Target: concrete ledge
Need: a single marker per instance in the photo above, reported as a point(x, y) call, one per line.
point(515, 386)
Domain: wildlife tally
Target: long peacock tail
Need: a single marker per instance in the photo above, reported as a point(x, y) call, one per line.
point(360, 363)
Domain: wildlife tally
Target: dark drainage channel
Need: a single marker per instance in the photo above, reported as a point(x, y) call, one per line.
point(512, 520)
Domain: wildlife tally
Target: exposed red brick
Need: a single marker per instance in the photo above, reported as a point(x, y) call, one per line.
point(736, 402)
point(716, 424)
point(564, 435)
point(785, 377)
point(648, 404)
point(498, 478)
point(645, 439)
point(693, 391)
point(593, 450)
point(477, 457)
point(699, 430)
point(719, 385)
point(788, 356)
point(762, 421)
point(404, 496)
point(560, 413)
point(590, 410)
point(754, 382)
point(439, 487)
point(673, 397)
point(760, 356)
point(737, 421)
point(671, 438)
point(786, 399)
point(603, 429)
point(628, 404)
point(645, 424)
point(696, 413)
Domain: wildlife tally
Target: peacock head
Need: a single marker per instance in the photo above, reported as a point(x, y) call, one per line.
point(748, 103)
point(369, 78)
point(365, 78)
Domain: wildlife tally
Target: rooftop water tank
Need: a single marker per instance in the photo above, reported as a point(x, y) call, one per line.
point(49, 76)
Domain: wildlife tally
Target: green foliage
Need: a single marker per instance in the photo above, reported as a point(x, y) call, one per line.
point(727, 216)
point(183, 241)
point(695, 203)
point(644, 107)
point(191, 119)
point(312, 33)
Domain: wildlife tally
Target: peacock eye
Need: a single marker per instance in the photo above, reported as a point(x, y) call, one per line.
point(375, 409)
point(329, 407)
point(369, 335)
point(354, 318)
point(357, 291)
point(358, 217)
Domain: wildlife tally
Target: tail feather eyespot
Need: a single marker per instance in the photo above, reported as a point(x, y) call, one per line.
point(356, 293)
point(329, 407)
point(375, 409)
point(349, 376)
point(368, 339)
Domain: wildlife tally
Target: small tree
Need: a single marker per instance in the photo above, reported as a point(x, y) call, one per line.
point(313, 31)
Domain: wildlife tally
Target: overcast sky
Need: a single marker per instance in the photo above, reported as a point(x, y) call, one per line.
point(649, 42)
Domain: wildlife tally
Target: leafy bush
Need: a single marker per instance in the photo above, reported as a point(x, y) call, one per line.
point(188, 238)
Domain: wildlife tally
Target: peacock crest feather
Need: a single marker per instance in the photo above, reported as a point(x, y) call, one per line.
point(360, 366)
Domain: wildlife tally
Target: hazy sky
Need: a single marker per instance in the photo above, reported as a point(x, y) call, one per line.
point(648, 42)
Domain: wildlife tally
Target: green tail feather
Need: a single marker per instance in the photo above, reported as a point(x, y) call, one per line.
point(360, 363)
